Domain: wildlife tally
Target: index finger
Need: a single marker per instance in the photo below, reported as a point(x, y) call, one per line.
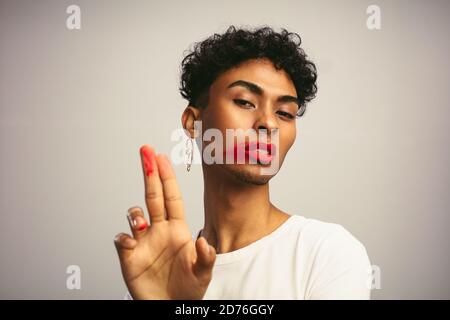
point(153, 188)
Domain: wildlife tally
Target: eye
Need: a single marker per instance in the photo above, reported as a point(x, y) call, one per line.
point(244, 103)
point(286, 114)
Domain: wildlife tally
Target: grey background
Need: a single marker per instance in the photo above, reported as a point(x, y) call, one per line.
point(371, 152)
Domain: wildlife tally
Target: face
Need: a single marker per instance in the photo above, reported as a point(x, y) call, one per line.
point(253, 96)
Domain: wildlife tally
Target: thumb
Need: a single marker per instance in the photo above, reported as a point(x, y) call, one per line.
point(206, 255)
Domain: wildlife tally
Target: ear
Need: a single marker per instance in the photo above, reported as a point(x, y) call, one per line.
point(189, 116)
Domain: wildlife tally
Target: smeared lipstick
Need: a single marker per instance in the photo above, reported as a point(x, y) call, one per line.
point(261, 152)
point(142, 227)
point(147, 156)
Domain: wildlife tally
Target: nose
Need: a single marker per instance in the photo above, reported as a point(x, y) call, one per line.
point(266, 123)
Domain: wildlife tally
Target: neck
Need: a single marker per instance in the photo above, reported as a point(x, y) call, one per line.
point(236, 213)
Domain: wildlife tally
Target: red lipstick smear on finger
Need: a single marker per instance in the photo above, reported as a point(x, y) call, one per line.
point(143, 227)
point(147, 156)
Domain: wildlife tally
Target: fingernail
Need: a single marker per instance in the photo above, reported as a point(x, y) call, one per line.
point(147, 156)
point(117, 237)
point(137, 221)
point(130, 220)
point(135, 208)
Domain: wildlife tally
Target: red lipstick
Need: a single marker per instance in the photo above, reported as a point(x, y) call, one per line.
point(147, 155)
point(142, 227)
point(261, 152)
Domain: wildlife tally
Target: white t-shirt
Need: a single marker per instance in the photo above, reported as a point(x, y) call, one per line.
point(303, 258)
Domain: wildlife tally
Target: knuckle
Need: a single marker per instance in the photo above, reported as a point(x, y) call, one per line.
point(118, 238)
point(169, 180)
point(173, 197)
point(152, 195)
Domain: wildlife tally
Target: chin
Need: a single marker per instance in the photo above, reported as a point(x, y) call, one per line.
point(248, 173)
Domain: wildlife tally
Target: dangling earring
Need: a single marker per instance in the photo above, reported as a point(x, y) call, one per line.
point(189, 153)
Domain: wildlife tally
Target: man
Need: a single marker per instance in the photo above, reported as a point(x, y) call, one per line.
point(256, 80)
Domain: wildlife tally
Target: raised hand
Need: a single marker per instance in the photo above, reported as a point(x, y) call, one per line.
point(161, 260)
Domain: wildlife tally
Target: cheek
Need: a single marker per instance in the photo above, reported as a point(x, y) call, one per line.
point(287, 139)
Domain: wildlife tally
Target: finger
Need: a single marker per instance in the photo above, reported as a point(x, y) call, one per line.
point(153, 188)
point(172, 195)
point(137, 221)
point(125, 248)
point(206, 255)
point(124, 244)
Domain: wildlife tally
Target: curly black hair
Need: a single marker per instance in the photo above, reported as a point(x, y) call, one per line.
point(221, 52)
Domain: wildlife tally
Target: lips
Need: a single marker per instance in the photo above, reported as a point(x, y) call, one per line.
point(254, 145)
point(260, 152)
point(260, 156)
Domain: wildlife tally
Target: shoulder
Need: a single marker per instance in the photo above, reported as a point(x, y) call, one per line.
point(337, 262)
point(330, 248)
point(326, 237)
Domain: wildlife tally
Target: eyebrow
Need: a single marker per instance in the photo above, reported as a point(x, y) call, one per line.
point(259, 91)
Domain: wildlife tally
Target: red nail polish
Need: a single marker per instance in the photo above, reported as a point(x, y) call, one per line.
point(142, 227)
point(147, 156)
